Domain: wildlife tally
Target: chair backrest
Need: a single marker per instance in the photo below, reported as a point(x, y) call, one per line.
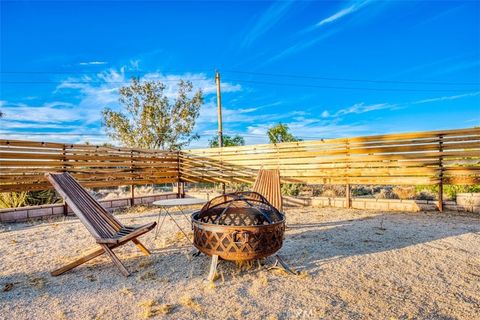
point(268, 185)
point(99, 222)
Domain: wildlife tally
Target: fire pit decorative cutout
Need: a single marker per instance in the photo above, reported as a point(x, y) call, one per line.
point(237, 227)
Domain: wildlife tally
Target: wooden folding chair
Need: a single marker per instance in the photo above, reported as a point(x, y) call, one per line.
point(108, 232)
point(268, 185)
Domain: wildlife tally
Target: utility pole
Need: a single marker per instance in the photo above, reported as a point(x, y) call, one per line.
point(219, 113)
point(219, 109)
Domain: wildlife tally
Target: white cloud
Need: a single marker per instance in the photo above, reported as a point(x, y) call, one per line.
point(51, 112)
point(95, 93)
point(360, 108)
point(310, 130)
point(445, 98)
point(269, 18)
point(325, 114)
point(92, 63)
point(102, 90)
point(342, 13)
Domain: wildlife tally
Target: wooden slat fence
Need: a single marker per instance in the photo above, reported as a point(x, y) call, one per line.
point(449, 157)
point(436, 157)
point(24, 163)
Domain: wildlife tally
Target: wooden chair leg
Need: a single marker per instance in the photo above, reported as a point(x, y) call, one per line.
point(213, 268)
point(141, 247)
point(116, 261)
point(78, 262)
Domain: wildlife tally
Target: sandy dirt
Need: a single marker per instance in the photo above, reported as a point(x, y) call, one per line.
point(353, 265)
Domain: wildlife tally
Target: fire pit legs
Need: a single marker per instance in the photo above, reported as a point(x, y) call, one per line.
point(213, 268)
point(283, 264)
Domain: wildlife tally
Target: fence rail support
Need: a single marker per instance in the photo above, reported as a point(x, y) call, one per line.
point(440, 183)
point(348, 200)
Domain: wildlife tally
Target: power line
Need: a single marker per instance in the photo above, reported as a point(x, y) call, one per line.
point(284, 75)
point(92, 82)
point(350, 79)
point(252, 135)
point(246, 81)
point(97, 72)
point(346, 88)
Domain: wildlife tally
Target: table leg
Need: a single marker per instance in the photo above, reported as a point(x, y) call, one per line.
point(159, 225)
point(175, 221)
point(183, 214)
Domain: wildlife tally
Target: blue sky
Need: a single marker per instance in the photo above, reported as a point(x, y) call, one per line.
point(327, 69)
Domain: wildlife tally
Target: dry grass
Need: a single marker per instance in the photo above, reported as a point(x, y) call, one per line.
point(151, 308)
point(148, 275)
point(189, 302)
point(126, 291)
point(37, 282)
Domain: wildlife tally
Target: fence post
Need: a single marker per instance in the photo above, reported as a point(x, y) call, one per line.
point(132, 186)
point(440, 183)
point(180, 185)
point(64, 169)
point(348, 203)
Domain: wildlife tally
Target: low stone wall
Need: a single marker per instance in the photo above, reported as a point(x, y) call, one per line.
point(469, 201)
point(55, 210)
point(465, 202)
point(383, 204)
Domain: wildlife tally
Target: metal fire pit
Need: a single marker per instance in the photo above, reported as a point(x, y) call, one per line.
point(238, 226)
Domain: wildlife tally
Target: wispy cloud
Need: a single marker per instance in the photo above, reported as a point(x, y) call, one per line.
point(445, 98)
point(342, 13)
point(48, 113)
point(358, 108)
point(92, 63)
point(266, 21)
point(305, 43)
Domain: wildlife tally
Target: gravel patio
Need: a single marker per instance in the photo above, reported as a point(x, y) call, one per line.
point(352, 264)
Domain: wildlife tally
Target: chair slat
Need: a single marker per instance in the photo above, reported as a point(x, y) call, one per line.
point(268, 185)
point(86, 206)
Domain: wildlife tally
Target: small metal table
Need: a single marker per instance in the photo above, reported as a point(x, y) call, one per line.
point(179, 203)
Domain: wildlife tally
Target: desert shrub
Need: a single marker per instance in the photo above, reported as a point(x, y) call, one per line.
point(361, 191)
point(27, 198)
point(327, 190)
point(236, 187)
point(450, 191)
point(404, 192)
point(38, 198)
point(425, 195)
point(386, 193)
point(291, 189)
point(13, 199)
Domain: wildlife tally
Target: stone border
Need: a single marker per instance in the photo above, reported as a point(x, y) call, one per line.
point(387, 204)
point(55, 210)
point(469, 202)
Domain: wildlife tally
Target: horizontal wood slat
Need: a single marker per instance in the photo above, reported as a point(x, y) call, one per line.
point(410, 158)
point(448, 156)
point(24, 163)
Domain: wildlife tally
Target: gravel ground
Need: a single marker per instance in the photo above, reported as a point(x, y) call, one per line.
point(353, 265)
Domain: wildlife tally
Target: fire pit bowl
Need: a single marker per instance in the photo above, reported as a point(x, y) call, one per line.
point(238, 226)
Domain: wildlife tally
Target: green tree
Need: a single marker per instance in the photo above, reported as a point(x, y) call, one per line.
point(280, 133)
point(150, 119)
point(228, 141)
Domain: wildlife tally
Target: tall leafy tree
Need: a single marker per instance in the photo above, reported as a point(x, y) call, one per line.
point(280, 133)
point(151, 119)
point(228, 141)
